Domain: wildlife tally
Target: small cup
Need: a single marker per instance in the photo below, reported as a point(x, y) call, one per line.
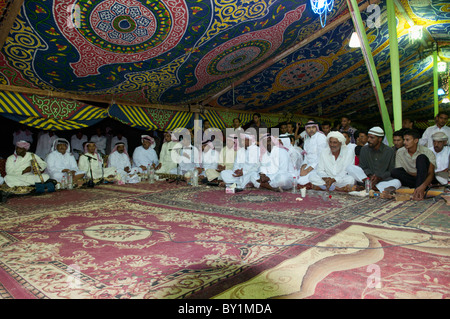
point(303, 191)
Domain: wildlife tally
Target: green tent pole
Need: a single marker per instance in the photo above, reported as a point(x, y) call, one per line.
point(395, 66)
point(370, 64)
point(435, 83)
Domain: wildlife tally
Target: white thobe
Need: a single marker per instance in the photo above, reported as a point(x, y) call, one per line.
point(56, 162)
point(120, 161)
point(15, 166)
point(144, 157)
point(427, 139)
point(248, 161)
point(313, 147)
point(278, 167)
point(442, 163)
point(44, 144)
point(331, 167)
point(76, 145)
point(96, 164)
point(165, 158)
point(227, 157)
point(100, 143)
point(188, 158)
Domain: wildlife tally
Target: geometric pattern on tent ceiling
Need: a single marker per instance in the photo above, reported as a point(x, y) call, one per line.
point(187, 52)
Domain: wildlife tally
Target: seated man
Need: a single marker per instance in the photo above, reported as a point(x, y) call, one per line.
point(442, 152)
point(120, 160)
point(397, 140)
point(210, 158)
point(61, 162)
point(331, 171)
point(414, 164)
point(376, 161)
point(275, 172)
point(295, 152)
point(91, 162)
point(19, 168)
point(166, 163)
point(145, 154)
point(246, 165)
point(187, 156)
point(226, 159)
point(315, 144)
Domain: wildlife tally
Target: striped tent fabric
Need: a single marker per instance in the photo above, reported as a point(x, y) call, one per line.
point(48, 113)
point(215, 119)
point(150, 119)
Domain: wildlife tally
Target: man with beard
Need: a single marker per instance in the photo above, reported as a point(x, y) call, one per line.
point(376, 161)
point(442, 153)
point(120, 160)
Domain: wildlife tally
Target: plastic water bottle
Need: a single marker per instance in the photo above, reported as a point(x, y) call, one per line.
point(195, 178)
point(69, 180)
point(367, 185)
point(294, 186)
point(151, 175)
point(63, 182)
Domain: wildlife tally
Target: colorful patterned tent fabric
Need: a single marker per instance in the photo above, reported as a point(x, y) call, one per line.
point(48, 113)
point(150, 119)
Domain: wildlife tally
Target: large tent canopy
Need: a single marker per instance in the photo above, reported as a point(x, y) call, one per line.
point(151, 64)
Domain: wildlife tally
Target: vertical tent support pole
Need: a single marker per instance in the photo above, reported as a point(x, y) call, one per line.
point(370, 64)
point(395, 66)
point(435, 81)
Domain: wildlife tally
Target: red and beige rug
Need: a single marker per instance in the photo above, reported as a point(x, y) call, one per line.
point(167, 241)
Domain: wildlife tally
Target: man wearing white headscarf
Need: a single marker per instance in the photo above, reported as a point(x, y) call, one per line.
point(145, 154)
point(315, 143)
point(61, 162)
point(91, 162)
point(331, 171)
point(120, 160)
point(19, 171)
point(442, 152)
point(246, 165)
point(186, 155)
point(275, 171)
point(226, 158)
point(295, 153)
point(376, 160)
point(166, 163)
point(210, 158)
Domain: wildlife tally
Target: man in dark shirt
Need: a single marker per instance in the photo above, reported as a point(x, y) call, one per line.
point(376, 160)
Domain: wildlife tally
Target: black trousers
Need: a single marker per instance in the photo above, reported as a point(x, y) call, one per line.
point(422, 166)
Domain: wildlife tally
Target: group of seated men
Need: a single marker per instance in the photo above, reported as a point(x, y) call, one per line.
point(270, 161)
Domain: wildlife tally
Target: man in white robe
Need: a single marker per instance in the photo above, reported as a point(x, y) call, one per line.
point(275, 171)
point(120, 160)
point(45, 143)
point(19, 171)
point(61, 162)
point(442, 152)
point(166, 163)
point(227, 157)
point(145, 155)
point(246, 165)
point(331, 171)
point(76, 143)
point(210, 158)
point(295, 153)
point(119, 138)
point(315, 143)
point(91, 162)
point(187, 156)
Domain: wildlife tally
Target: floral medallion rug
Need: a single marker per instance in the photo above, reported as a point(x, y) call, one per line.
point(167, 241)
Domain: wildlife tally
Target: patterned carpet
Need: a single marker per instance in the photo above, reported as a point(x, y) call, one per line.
point(167, 241)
